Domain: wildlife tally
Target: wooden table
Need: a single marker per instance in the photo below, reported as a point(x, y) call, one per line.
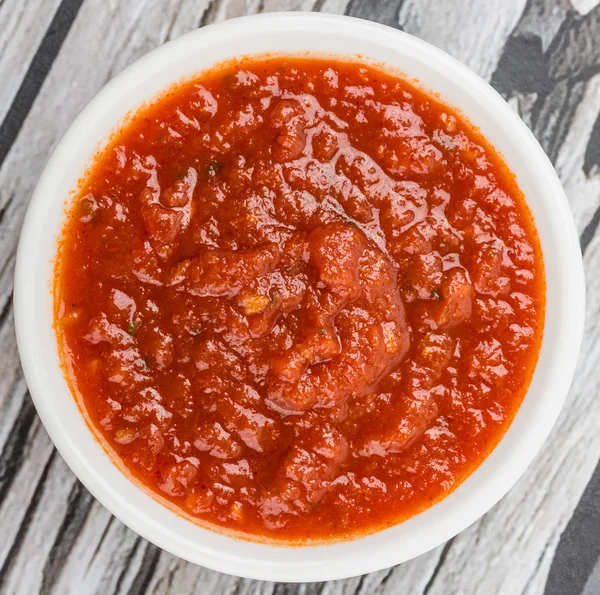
point(543, 56)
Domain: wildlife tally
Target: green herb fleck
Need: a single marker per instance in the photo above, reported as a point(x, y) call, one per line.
point(322, 331)
point(133, 326)
point(194, 331)
point(180, 175)
point(212, 168)
point(436, 294)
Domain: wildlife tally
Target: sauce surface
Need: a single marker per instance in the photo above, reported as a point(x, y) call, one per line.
point(299, 299)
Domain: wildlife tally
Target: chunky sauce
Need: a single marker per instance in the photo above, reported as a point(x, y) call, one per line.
point(299, 299)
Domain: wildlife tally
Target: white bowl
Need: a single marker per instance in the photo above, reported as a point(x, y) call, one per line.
point(323, 34)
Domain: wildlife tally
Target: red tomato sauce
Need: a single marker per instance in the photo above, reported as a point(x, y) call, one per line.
point(299, 299)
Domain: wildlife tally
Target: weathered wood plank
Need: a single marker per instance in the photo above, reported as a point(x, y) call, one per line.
point(104, 558)
point(584, 6)
point(36, 73)
point(582, 189)
point(23, 27)
point(333, 6)
point(488, 25)
point(33, 484)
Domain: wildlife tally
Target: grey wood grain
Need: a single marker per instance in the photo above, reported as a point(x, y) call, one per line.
point(37, 70)
point(543, 55)
point(23, 26)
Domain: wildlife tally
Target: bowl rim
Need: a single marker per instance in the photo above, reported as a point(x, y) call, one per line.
point(219, 554)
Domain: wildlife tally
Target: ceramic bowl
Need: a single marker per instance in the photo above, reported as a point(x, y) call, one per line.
point(320, 34)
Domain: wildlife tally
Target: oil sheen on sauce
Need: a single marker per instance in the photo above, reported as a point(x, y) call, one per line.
point(299, 299)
